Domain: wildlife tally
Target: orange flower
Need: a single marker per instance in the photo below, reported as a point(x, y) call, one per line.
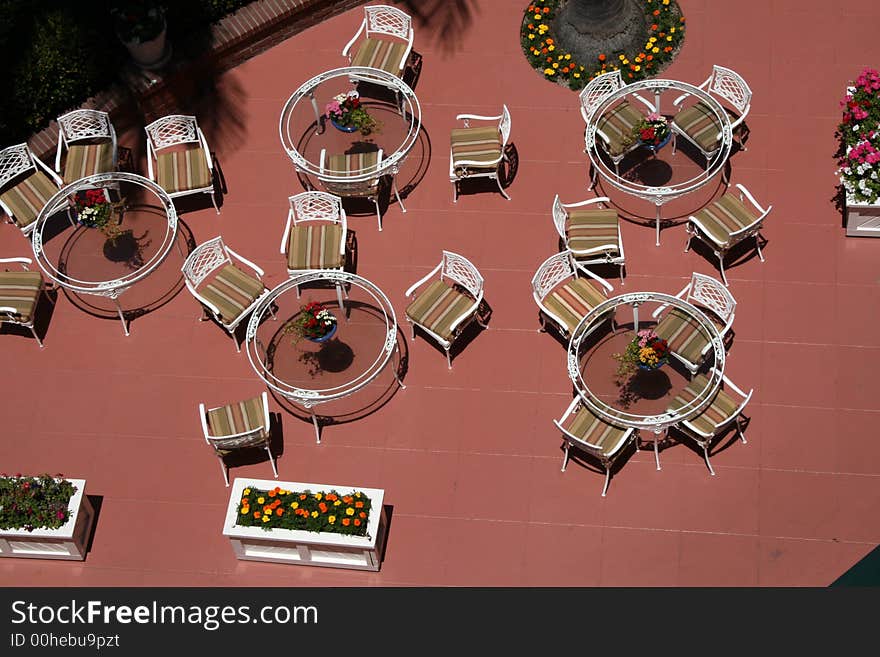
point(602, 57)
point(323, 507)
point(543, 51)
point(357, 523)
point(358, 505)
point(279, 512)
point(347, 499)
point(346, 522)
point(549, 59)
point(302, 497)
point(549, 41)
point(650, 57)
point(546, 10)
point(531, 26)
point(565, 70)
point(653, 27)
point(362, 514)
point(272, 493)
point(656, 12)
point(256, 514)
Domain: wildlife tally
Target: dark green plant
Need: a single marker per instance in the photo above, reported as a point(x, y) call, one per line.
point(322, 511)
point(137, 21)
point(34, 502)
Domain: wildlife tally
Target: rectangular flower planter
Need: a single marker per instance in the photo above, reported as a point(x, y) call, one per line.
point(304, 547)
point(862, 219)
point(67, 542)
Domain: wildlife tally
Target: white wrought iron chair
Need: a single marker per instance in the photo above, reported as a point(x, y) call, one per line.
point(616, 124)
point(698, 123)
point(477, 152)
point(178, 157)
point(724, 411)
point(688, 343)
point(596, 437)
point(384, 41)
point(238, 426)
point(726, 222)
point(449, 304)
point(19, 294)
point(227, 292)
point(89, 140)
point(563, 297)
point(315, 235)
point(342, 167)
point(26, 184)
point(592, 234)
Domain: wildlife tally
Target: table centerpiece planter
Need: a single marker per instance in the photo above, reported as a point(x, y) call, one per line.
point(256, 533)
point(66, 542)
point(343, 128)
point(141, 28)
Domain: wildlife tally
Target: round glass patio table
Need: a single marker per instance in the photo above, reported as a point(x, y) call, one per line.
point(309, 373)
point(85, 260)
point(659, 194)
point(591, 366)
point(306, 132)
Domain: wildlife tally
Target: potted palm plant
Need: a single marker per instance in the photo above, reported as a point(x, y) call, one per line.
point(140, 25)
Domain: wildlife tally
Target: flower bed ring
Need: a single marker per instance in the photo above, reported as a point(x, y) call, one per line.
point(409, 108)
point(61, 200)
point(656, 423)
point(308, 398)
point(662, 194)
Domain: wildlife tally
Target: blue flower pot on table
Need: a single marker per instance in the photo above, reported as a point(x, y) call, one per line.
point(343, 128)
point(326, 336)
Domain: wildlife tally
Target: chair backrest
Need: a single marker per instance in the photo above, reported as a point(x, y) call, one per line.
point(462, 271)
point(712, 294)
point(730, 86)
point(504, 126)
point(560, 217)
point(316, 206)
point(172, 130)
point(339, 184)
point(204, 259)
point(597, 90)
point(253, 438)
point(85, 124)
point(387, 20)
point(14, 161)
point(551, 273)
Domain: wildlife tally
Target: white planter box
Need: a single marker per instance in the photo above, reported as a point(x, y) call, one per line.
point(67, 542)
point(862, 219)
point(303, 547)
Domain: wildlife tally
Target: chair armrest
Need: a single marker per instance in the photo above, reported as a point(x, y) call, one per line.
point(702, 86)
point(58, 150)
point(598, 199)
point(465, 314)
point(424, 279)
point(408, 49)
point(54, 176)
point(481, 164)
point(246, 261)
point(467, 117)
point(696, 222)
point(730, 384)
point(22, 261)
point(664, 306)
point(204, 143)
point(572, 407)
point(322, 159)
point(266, 416)
point(608, 287)
point(744, 193)
point(204, 418)
point(286, 235)
point(354, 38)
point(645, 102)
point(151, 155)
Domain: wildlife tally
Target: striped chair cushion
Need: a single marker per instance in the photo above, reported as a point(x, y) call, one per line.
point(592, 429)
point(700, 124)
point(618, 124)
point(88, 159)
point(684, 335)
point(183, 170)
point(573, 301)
point(720, 411)
point(383, 54)
point(593, 231)
point(481, 145)
point(20, 290)
point(438, 306)
point(28, 197)
point(725, 216)
point(354, 164)
point(315, 246)
point(237, 418)
point(232, 291)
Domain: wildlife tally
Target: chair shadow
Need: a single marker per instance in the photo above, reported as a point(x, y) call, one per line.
point(96, 501)
point(506, 174)
point(738, 255)
point(468, 334)
point(592, 464)
point(254, 455)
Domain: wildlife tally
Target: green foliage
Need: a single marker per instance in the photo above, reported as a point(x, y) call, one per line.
point(34, 502)
point(323, 511)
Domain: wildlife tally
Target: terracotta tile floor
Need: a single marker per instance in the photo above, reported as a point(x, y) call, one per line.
point(469, 458)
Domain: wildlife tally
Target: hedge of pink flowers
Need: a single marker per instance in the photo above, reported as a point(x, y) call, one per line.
point(859, 134)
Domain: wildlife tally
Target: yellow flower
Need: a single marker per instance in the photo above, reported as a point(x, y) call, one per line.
point(655, 50)
point(537, 16)
point(665, 2)
point(260, 500)
point(625, 61)
point(577, 75)
point(337, 503)
point(549, 71)
point(314, 514)
point(672, 30)
point(246, 491)
point(331, 519)
point(349, 511)
point(265, 518)
point(638, 68)
point(245, 510)
point(358, 494)
point(318, 496)
point(568, 56)
point(551, 48)
point(294, 505)
point(669, 38)
point(555, 65)
point(621, 57)
point(531, 36)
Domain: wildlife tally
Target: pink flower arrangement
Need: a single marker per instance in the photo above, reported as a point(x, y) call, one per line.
point(859, 134)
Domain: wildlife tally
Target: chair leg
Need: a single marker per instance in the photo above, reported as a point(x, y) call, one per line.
point(687, 244)
point(758, 246)
point(235, 342)
point(565, 457)
point(378, 214)
point(607, 479)
point(622, 270)
point(225, 471)
point(742, 435)
point(272, 461)
point(454, 191)
point(214, 201)
point(397, 194)
point(297, 292)
point(721, 264)
point(501, 189)
point(339, 299)
point(448, 359)
point(656, 452)
point(37, 337)
point(706, 457)
point(412, 328)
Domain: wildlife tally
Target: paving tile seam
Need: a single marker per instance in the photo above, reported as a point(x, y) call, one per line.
point(808, 344)
point(821, 408)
